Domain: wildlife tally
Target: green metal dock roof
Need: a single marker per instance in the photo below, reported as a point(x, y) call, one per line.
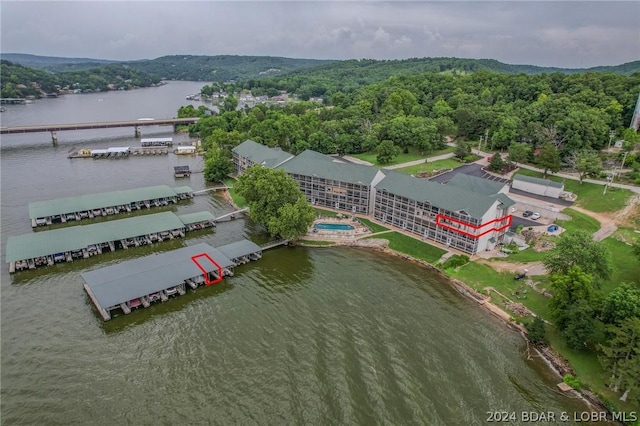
point(80, 203)
point(135, 278)
point(190, 218)
point(35, 244)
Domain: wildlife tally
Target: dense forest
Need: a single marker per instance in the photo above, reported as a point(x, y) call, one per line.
point(19, 81)
point(570, 112)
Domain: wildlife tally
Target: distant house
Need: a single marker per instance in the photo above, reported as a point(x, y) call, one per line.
point(537, 186)
point(249, 153)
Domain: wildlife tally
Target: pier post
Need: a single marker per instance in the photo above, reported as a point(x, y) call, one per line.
point(137, 132)
point(54, 138)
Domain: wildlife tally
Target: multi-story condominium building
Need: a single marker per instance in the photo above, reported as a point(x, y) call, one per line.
point(469, 214)
point(334, 183)
point(249, 153)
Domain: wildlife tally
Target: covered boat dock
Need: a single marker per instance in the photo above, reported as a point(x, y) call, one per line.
point(46, 248)
point(80, 207)
point(155, 278)
point(242, 251)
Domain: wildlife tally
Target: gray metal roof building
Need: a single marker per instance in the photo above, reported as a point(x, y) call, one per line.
point(203, 216)
point(447, 197)
point(135, 278)
point(32, 245)
point(240, 248)
point(261, 154)
point(311, 163)
point(40, 209)
point(539, 181)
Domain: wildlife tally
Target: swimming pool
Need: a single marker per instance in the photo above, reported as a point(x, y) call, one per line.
point(335, 226)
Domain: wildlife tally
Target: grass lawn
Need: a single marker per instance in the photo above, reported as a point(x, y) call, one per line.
point(448, 163)
point(625, 265)
point(579, 221)
point(326, 213)
point(374, 227)
point(414, 248)
point(413, 155)
point(479, 276)
point(589, 194)
point(524, 256)
point(237, 199)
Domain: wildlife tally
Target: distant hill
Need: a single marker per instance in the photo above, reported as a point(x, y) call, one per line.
point(221, 68)
point(53, 63)
point(178, 67)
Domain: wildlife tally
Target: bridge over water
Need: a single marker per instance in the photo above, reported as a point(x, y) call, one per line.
point(136, 124)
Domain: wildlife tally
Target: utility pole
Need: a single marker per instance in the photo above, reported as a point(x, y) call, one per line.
point(612, 133)
point(624, 158)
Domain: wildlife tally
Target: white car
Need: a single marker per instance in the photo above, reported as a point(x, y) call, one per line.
point(535, 216)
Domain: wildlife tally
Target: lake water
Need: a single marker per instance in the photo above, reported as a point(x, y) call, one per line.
point(302, 336)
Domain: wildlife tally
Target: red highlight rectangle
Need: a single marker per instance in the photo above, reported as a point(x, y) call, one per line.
point(207, 281)
point(440, 217)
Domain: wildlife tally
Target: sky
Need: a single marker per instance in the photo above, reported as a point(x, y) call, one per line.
point(575, 34)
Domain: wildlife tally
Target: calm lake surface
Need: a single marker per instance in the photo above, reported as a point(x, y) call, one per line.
point(303, 336)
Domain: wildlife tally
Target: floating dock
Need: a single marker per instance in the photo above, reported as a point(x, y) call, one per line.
point(46, 248)
point(44, 213)
point(156, 142)
point(140, 282)
point(181, 171)
point(119, 152)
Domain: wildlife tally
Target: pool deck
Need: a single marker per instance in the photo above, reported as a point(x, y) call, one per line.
point(359, 230)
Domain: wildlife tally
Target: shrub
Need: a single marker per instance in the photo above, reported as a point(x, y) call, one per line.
point(572, 381)
point(455, 261)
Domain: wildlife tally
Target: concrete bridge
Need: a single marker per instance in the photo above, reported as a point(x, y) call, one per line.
point(136, 124)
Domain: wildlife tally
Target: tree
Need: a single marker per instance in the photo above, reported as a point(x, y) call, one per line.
point(587, 163)
point(568, 289)
point(462, 149)
point(577, 248)
point(549, 159)
point(622, 303)
point(519, 152)
point(293, 220)
point(217, 166)
point(230, 103)
point(497, 163)
point(621, 357)
point(386, 152)
point(275, 200)
point(536, 332)
point(572, 307)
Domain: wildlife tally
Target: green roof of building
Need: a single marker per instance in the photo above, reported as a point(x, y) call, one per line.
point(135, 278)
point(190, 218)
point(505, 201)
point(447, 197)
point(81, 203)
point(476, 184)
point(539, 181)
point(183, 189)
point(311, 163)
point(261, 154)
point(36, 244)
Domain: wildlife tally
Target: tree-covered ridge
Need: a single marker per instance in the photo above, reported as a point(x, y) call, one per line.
point(347, 76)
point(220, 68)
point(567, 113)
point(54, 63)
point(19, 81)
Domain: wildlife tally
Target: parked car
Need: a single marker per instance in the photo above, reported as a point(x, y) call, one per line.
point(535, 216)
point(527, 213)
